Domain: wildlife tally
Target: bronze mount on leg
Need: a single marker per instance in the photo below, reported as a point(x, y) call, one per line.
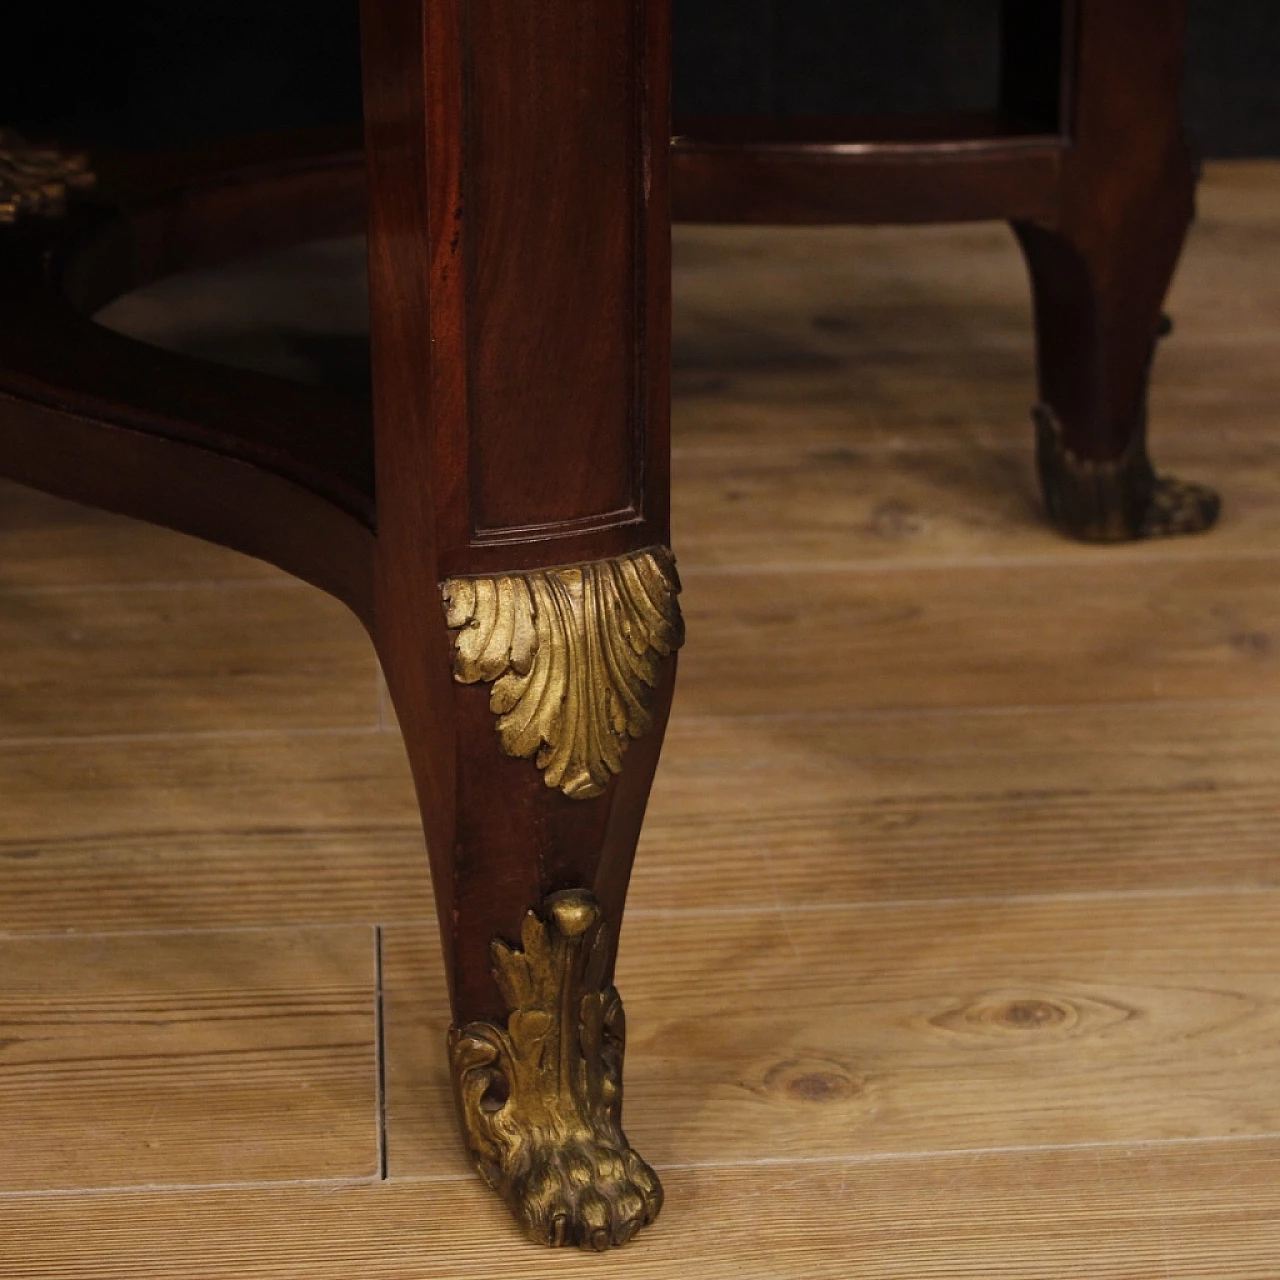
point(1121, 499)
point(541, 1098)
point(573, 655)
point(37, 179)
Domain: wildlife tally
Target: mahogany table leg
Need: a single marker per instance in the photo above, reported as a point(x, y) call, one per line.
point(1100, 271)
point(526, 605)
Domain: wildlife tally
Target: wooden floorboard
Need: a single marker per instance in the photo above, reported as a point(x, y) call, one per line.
point(818, 640)
point(50, 545)
point(884, 808)
point(182, 658)
point(170, 831)
point(1179, 1211)
point(828, 1032)
point(937, 399)
point(952, 945)
point(909, 504)
point(844, 808)
point(187, 1058)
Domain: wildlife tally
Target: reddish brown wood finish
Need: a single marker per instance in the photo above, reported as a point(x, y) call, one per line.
point(1086, 157)
point(276, 470)
point(519, 196)
point(286, 472)
point(553, 201)
point(1101, 262)
point(520, 279)
point(955, 168)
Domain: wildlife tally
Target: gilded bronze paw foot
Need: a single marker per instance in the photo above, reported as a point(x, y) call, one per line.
point(1179, 506)
point(1122, 499)
point(578, 1190)
point(1117, 501)
point(541, 1098)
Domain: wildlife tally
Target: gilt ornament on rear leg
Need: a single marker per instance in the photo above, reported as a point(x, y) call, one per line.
point(1121, 499)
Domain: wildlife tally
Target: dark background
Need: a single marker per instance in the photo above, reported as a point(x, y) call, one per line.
point(158, 72)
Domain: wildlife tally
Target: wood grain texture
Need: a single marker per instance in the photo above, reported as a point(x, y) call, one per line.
point(1180, 1212)
point(830, 318)
point(885, 808)
point(825, 1032)
point(172, 832)
point(520, 285)
point(910, 502)
point(178, 1058)
point(182, 657)
point(861, 808)
point(545, 234)
point(999, 635)
point(48, 543)
point(973, 971)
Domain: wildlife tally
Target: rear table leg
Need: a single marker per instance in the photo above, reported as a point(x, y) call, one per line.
point(1101, 267)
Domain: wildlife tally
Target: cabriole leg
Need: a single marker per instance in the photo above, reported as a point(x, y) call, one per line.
point(1101, 266)
point(526, 608)
point(1096, 339)
point(577, 664)
point(561, 685)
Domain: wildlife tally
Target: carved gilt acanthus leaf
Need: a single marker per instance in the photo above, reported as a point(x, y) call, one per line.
point(573, 655)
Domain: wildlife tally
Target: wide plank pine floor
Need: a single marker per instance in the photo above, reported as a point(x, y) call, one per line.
point(953, 947)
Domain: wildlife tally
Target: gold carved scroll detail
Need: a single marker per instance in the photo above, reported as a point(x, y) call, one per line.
point(36, 179)
point(574, 656)
point(541, 1098)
